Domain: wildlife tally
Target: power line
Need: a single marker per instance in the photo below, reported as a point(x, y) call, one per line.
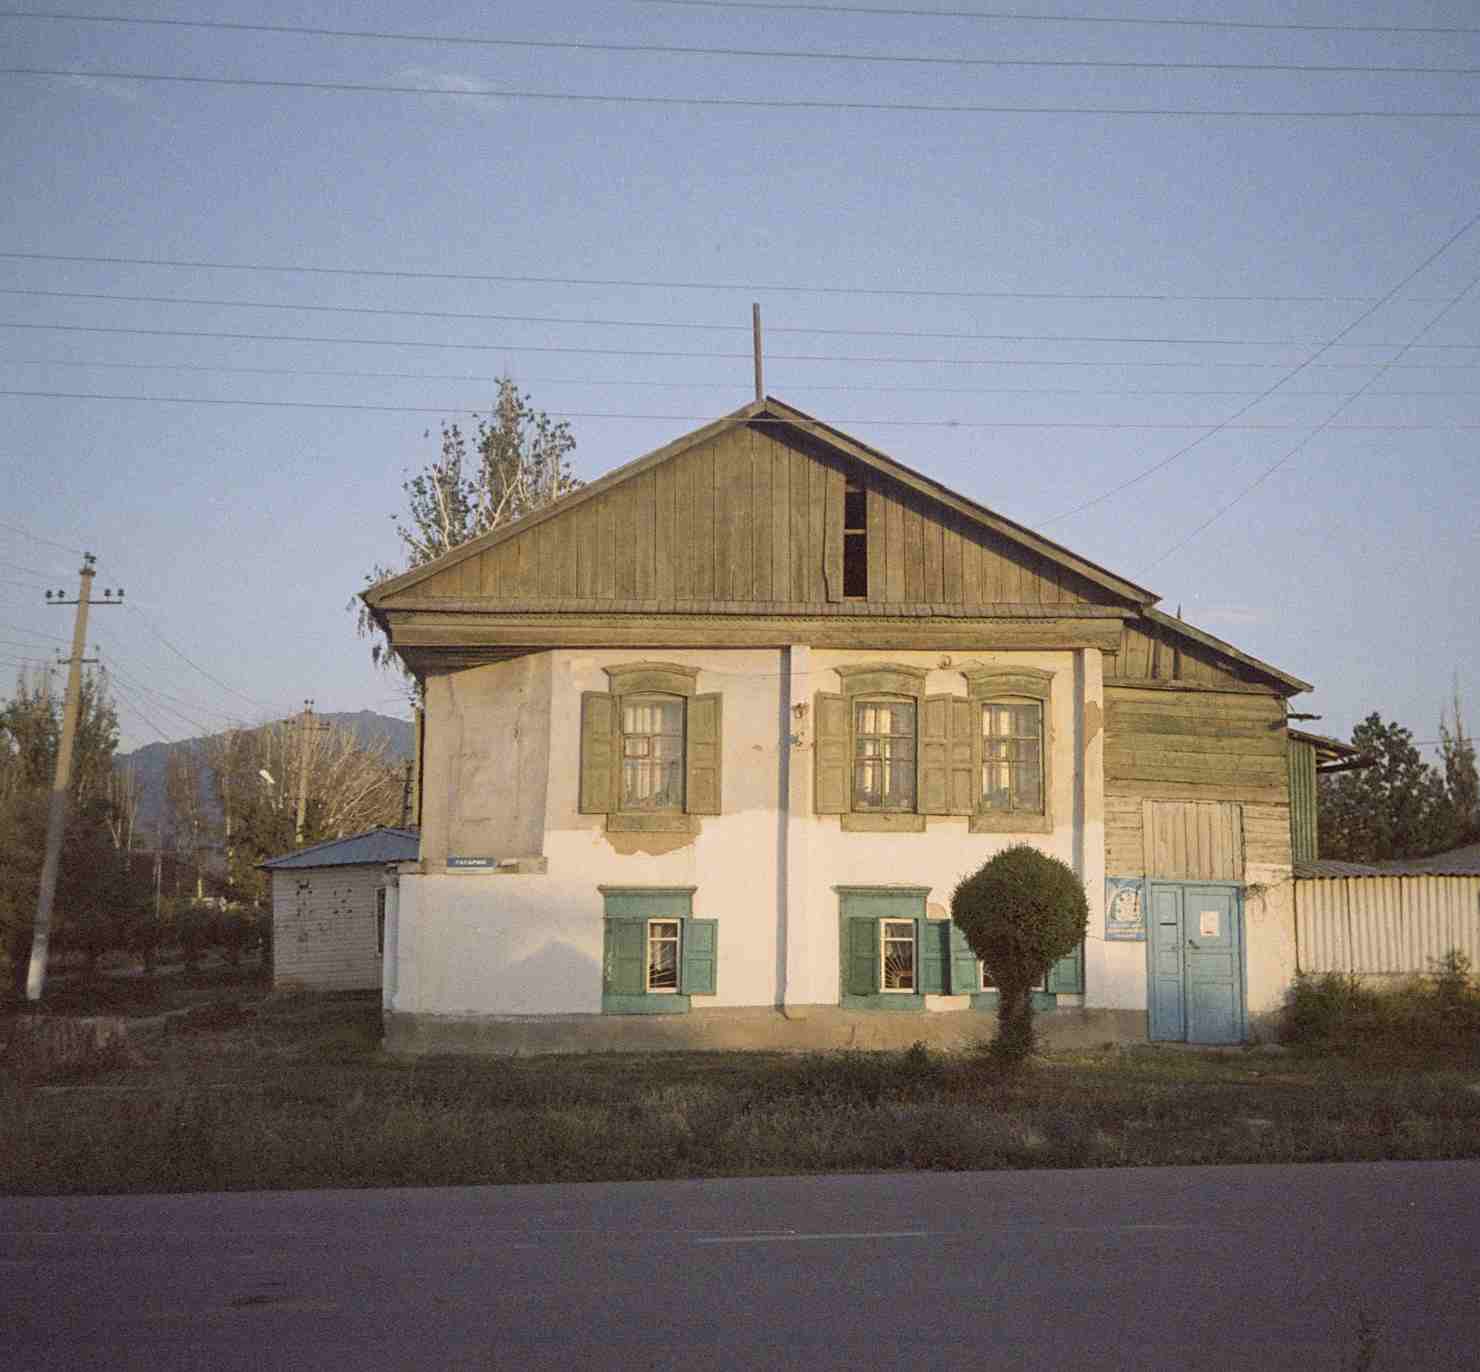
point(34, 633)
point(191, 663)
point(1308, 362)
point(1324, 425)
point(126, 699)
point(187, 705)
point(820, 331)
point(760, 420)
point(1015, 17)
point(768, 54)
point(50, 542)
point(407, 274)
point(852, 360)
point(722, 102)
point(666, 385)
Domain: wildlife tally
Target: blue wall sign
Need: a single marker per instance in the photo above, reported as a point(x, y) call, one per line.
point(1125, 909)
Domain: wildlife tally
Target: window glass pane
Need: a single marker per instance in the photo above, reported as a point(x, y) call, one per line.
point(652, 754)
point(663, 955)
point(884, 755)
point(899, 955)
point(1012, 757)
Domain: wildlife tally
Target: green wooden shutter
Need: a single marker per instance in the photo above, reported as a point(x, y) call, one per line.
point(933, 936)
point(598, 752)
point(966, 971)
point(1067, 974)
point(933, 757)
point(863, 957)
point(702, 752)
point(830, 760)
point(962, 790)
point(700, 949)
point(624, 971)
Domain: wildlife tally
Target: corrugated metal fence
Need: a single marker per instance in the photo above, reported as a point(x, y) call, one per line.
point(1385, 926)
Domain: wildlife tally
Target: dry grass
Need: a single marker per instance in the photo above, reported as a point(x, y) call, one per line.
point(293, 1093)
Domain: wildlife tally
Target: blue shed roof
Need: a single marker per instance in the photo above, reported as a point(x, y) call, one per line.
point(372, 848)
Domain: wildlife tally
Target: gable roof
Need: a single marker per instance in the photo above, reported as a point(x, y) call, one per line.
point(374, 847)
point(773, 412)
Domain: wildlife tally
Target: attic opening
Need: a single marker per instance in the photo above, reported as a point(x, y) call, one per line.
point(855, 542)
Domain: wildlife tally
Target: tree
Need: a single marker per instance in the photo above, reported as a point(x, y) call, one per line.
point(1461, 782)
point(1396, 808)
point(93, 890)
point(1021, 912)
point(514, 461)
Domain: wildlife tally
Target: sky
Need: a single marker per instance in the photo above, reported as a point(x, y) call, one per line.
point(1099, 267)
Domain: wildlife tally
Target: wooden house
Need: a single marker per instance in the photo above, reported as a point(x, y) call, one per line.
point(708, 743)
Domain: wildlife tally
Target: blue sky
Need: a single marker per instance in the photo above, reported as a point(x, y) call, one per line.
point(1126, 283)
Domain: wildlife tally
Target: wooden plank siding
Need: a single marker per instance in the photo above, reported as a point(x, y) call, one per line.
point(1153, 652)
point(1178, 765)
point(754, 516)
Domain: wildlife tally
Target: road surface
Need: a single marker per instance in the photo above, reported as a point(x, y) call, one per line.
point(1209, 1268)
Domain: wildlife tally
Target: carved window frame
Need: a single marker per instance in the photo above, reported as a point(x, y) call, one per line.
point(985, 684)
point(882, 681)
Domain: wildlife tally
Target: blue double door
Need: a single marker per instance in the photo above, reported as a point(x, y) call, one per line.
point(1195, 951)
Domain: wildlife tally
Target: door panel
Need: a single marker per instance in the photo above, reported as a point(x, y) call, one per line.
point(1214, 972)
point(1196, 981)
point(1168, 1018)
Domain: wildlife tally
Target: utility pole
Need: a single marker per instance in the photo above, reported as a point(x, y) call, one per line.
point(305, 727)
point(56, 818)
point(755, 332)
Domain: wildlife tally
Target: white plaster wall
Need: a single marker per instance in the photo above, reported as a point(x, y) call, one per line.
point(1269, 936)
point(500, 944)
point(946, 851)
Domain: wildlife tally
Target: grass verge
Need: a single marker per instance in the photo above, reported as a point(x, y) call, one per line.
point(293, 1093)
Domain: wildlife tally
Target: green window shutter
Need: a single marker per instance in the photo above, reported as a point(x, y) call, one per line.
point(830, 761)
point(700, 945)
point(934, 939)
point(863, 957)
point(702, 752)
point(964, 726)
point(624, 971)
point(1067, 974)
point(966, 971)
point(934, 755)
point(598, 752)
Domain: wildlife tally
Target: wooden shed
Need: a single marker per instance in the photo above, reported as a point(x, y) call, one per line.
point(329, 906)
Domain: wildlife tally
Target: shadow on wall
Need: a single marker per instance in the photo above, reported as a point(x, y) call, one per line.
point(557, 979)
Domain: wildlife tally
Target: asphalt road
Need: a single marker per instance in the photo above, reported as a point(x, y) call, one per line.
point(1207, 1268)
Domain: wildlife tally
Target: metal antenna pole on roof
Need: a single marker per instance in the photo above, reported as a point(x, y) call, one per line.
point(755, 327)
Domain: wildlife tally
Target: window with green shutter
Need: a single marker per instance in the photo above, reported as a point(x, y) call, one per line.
point(651, 749)
point(655, 953)
point(890, 955)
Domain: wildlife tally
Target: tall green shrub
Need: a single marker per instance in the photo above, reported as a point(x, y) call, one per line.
point(1021, 912)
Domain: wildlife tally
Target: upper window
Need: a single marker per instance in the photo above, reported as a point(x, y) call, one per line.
point(1012, 756)
point(884, 755)
point(650, 748)
point(855, 542)
point(652, 752)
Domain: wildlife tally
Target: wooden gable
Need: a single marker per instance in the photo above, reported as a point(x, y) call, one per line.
point(748, 516)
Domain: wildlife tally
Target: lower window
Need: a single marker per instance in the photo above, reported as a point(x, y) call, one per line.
point(891, 956)
point(655, 954)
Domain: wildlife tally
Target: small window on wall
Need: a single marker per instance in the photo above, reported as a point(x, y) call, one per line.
point(662, 955)
point(655, 954)
point(898, 940)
